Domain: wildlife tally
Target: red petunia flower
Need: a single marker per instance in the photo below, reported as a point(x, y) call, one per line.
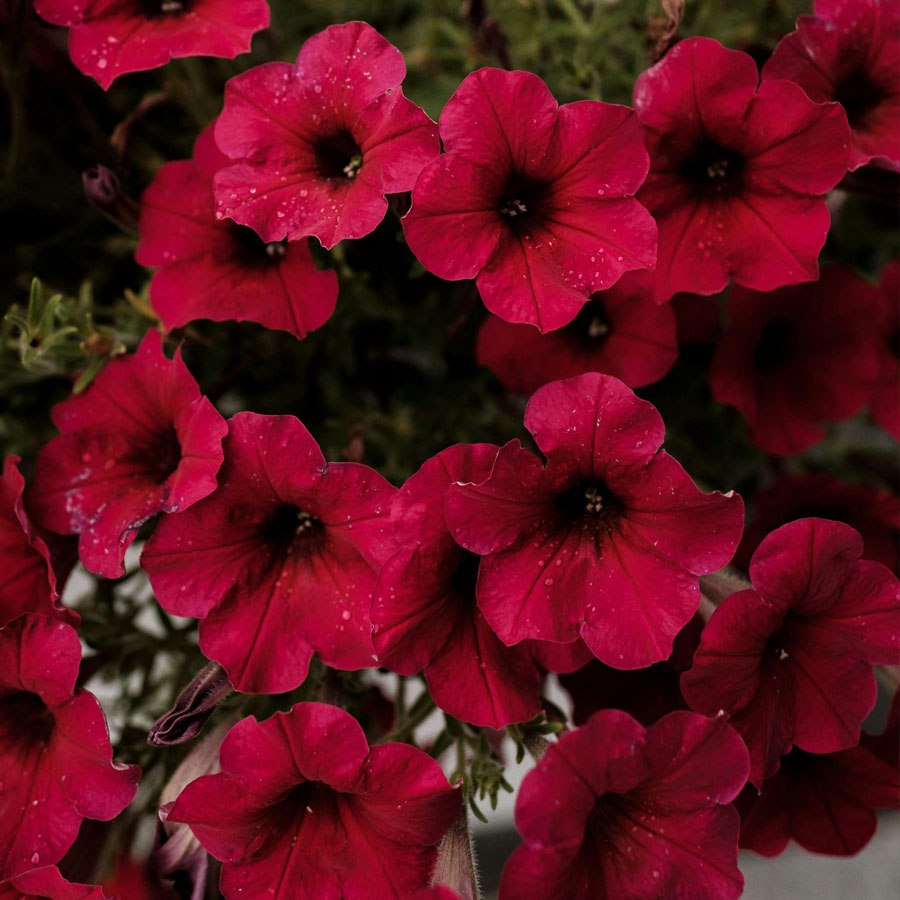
point(796, 357)
point(27, 582)
point(139, 442)
point(56, 765)
point(619, 332)
point(874, 514)
point(791, 660)
point(424, 614)
point(281, 560)
point(216, 269)
point(318, 144)
point(849, 51)
point(605, 540)
point(305, 809)
point(737, 171)
point(532, 199)
point(46, 883)
point(111, 37)
point(886, 399)
point(618, 811)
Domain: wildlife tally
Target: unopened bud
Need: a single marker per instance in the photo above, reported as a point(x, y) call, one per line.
point(455, 866)
point(101, 187)
point(194, 706)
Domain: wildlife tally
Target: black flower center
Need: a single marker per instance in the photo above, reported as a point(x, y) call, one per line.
point(338, 156)
point(34, 722)
point(859, 96)
point(894, 344)
point(158, 455)
point(290, 528)
point(589, 501)
point(252, 251)
point(713, 167)
point(777, 345)
point(522, 198)
point(155, 9)
point(466, 575)
point(592, 325)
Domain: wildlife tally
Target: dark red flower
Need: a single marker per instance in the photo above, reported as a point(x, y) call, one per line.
point(886, 399)
point(619, 332)
point(791, 661)
point(874, 514)
point(27, 582)
point(796, 357)
point(621, 812)
point(849, 51)
point(111, 37)
point(318, 144)
point(281, 560)
point(215, 269)
point(605, 540)
point(424, 613)
point(56, 765)
point(140, 441)
point(46, 883)
point(305, 809)
point(737, 171)
point(532, 199)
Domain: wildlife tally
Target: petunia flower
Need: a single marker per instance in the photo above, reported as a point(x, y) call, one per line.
point(46, 883)
point(737, 171)
point(212, 268)
point(623, 812)
point(108, 38)
point(140, 441)
point(886, 399)
point(790, 661)
point(27, 579)
point(619, 332)
point(424, 613)
point(532, 199)
point(281, 560)
point(605, 540)
point(305, 809)
point(849, 52)
point(56, 765)
point(316, 145)
point(797, 357)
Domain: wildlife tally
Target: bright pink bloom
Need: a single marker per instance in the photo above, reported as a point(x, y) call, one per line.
point(622, 812)
point(737, 171)
point(55, 757)
point(619, 332)
point(140, 441)
point(215, 269)
point(797, 357)
point(532, 199)
point(318, 144)
point(886, 399)
point(281, 560)
point(849, 51)
point(45, 883)
point(605, 540)
point(111, 37)
point(424, 613)
point(27, 582)
point(305, 809)
point(791, 660)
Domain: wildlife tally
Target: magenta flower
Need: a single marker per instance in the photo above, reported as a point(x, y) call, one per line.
point(849, 51)
point(424, 613)
point(46, 883)
point(791, 660)
point(623, 812)
point(305, 809)
point(532, 199)
point(108, 39)
point(140, 441)
point(318, 144)
point(737, 171)
point(281, 560)
point(886, 399)
point(56, 762)
point(211, 268)
point(605, 540)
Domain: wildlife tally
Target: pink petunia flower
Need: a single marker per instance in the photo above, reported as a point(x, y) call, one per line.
point(305, 809)
point(737, 171)
point(886, 399)
point(212, 268)
point(849, 51)
point(796, 357)
point(140, 441)
point(316, 145)
point(46, 883)
point(623, 812)
point(281, 560)
point(605, 540)
point(108, 38)
point(56, 765)
point(532, 199)
point(791, 660)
